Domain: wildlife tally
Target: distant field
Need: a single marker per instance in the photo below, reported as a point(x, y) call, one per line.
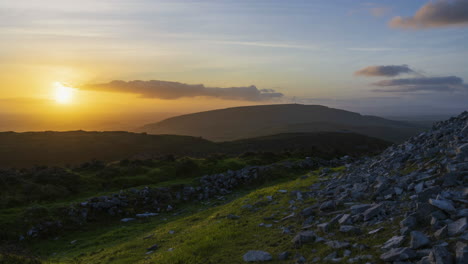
point(75, 147)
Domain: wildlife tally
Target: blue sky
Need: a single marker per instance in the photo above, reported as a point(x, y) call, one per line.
point(306, 50)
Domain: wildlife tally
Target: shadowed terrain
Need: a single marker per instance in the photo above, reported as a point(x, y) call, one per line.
point(74, 147)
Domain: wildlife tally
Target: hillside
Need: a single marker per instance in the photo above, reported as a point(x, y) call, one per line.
point(253, 121)
point(75, 147)
point(406, 205)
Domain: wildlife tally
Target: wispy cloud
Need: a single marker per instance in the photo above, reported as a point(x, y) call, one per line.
point(441, 13)
point(269, 45)
point(372, 49)
point(175, 90)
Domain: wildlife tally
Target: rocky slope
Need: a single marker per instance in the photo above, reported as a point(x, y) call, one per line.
point(418, 190)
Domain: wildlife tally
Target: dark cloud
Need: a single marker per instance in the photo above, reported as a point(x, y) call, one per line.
point(418, 88)
point(176, 90)
point(384, 70)
point(447, 80)
point(427, 84)
point(441, 13)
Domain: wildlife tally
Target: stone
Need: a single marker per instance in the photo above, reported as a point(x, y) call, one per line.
point(440, 255)
point(444, 205)
point(461, 253)
point(441, 233)
point(350, 229)
point(457, 227)
point(359, 208)
point(345, 219)
point(375, 231)
point(125, 220)
point(153, 247)
point(393, 242)
point(144, 215)
point(418, 240)
point(257, 255)
point(308, 211)
point(372, 212)
point(284, 255)
point(232, 217)
point(409, 222)
point(324, 227)
point(462, 149)
point(327, 206)
point(337, 244)
point(398, 254)
point(419, 187)
point(304, 237)
point(331, 257)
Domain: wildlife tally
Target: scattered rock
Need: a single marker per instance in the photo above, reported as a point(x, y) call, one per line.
point(304, 237)
point(418, 240)
point(350, 229)
point(257, 255)
point(153, 247)
point(284, 255)
point(372, 212)
point(398, 254)
point(457, 227)
point(393, 242)
point(445, 205)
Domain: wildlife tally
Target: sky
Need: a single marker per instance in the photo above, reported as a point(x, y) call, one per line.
point(136, 61)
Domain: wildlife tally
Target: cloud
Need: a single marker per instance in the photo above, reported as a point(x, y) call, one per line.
point(175, 90)
point(447, 80)
point(424, 84)
point(418, 88)
point(442, 13)
point(384, 70)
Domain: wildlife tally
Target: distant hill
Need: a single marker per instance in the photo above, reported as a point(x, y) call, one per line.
point(74, 147)
point(253, 121)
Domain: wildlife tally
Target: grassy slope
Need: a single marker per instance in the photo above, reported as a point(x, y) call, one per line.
point(203, 234)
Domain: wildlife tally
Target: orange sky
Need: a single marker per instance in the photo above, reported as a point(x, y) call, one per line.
point(291, 51)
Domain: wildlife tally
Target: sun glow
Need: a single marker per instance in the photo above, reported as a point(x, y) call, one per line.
point(63, 94)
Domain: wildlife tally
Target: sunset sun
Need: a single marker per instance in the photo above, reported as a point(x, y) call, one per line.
point(63, 94)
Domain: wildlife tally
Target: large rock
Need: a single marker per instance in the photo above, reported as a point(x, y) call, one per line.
point(461, 252)
point(359, 208)
point(327, 206)
point(418, 240)
point(372, 212)
point(350, 229)
point(308, 211)
point(398, 254)
point(304, 237)
point(257, 255)
point(393, 242)
point(445, 205)
point(440, 255)
point(457, 227)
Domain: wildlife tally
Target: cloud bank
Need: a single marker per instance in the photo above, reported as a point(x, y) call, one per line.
point(441, 13)
point(426, 84)
point(175, 90)
point(384, 70)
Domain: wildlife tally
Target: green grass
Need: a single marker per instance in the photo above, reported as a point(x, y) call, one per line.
point(203, 234)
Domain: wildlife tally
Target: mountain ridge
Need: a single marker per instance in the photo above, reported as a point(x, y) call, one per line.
point(261, 120)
